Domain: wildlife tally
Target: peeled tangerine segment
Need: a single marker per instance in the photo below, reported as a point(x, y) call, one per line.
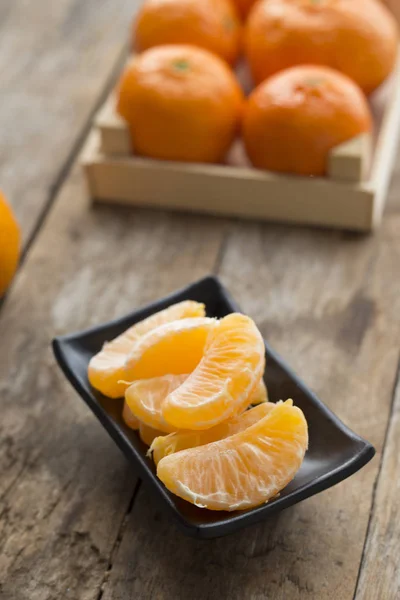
point(181, 440)
point(129, 418)
point(107, 368)
point(147, 434)
point(145, 397)
point(260, 393)
point(243, 470)
point(173, 348)
point(233, 363)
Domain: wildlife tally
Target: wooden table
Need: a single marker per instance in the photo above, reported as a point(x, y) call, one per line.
point(75, 521)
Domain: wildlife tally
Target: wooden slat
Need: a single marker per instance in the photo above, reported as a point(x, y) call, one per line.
point(54, 60)
point(64, 487)
point(329, 303)
point(351, 160)
point(380, 577)
point(385, 152)
point(226, 190)
point(114, 135)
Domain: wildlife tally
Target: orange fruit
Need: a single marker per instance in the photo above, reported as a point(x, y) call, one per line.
point(129, 418)
point(220, 386)
point(9, 245)
point(243, 470)
point(210, 24)
point(148, 434)
point(181, 103)
point(244, 7)
point(181, 440)
point(260, 394)
point(107, 368)
point(144, 399)
point(294, 119)
point(171, 349)
point(357, 37)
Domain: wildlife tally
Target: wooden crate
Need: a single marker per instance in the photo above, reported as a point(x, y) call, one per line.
point(351, 196)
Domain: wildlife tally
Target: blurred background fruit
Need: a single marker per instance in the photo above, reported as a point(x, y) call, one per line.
point(293, 119)
point(357, 37)
point(9, 245)
point(243, 7)
point(181, 103)
point(210, 24)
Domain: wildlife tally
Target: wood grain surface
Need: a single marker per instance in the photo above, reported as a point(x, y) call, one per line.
point(54, 60)
point(379, 576)
point(75, 523)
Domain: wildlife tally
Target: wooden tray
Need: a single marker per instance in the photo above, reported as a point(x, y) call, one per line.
point(351, 196)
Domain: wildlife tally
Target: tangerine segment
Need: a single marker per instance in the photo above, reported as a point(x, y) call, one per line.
point(220, 386)
point(260, 394)
point(107, 367)
point(243, 470)
point(148, 434)
point(129, 418)
point(144, 399)
point(181, 440)
point(173, 348)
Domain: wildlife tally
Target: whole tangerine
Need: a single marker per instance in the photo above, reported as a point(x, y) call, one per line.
point(357, 37)
point(295, 118)
point(9, 245)
point(210, 24)
point(181, 103)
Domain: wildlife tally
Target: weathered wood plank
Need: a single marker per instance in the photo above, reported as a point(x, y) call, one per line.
point(379, 576)
point(54, 60)
point(329, 303)
point(64, 487)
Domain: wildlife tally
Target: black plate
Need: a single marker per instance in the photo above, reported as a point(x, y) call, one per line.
point(335, 452)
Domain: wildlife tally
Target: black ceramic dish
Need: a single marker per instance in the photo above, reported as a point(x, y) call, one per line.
point(334, 453)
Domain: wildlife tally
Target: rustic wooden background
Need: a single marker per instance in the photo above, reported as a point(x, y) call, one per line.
point(75, 522)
